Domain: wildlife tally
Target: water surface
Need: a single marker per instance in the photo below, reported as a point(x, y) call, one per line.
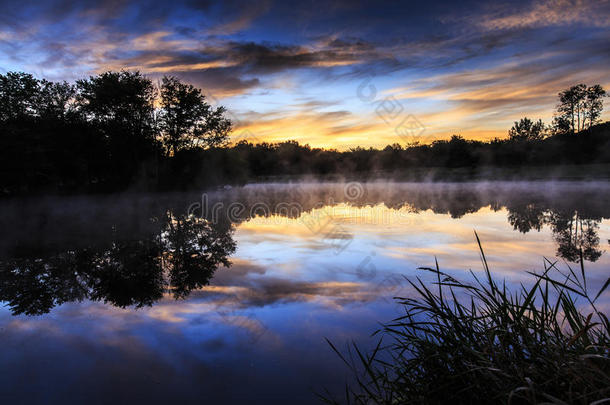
point(227, 296)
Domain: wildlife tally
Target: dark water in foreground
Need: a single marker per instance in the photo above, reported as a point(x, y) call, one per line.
point(128, 299)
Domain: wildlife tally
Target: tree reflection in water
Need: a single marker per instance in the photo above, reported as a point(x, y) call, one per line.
point(573, 212)
point(177, 254)
point(132, 251)
point(574, 234)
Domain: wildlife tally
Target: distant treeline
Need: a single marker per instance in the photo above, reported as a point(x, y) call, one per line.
point(118, 131)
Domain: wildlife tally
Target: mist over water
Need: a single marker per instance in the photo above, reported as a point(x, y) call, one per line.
point(228, 295)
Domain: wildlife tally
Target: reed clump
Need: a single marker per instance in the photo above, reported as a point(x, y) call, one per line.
point(479, 342)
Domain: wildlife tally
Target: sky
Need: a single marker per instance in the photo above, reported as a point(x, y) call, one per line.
point(334, 74)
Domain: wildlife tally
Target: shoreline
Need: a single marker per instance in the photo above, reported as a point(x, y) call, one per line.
point(560, 173)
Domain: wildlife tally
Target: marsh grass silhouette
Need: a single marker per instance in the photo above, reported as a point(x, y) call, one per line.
point(546, 343)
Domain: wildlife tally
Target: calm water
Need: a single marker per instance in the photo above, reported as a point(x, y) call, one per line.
point(227, 297)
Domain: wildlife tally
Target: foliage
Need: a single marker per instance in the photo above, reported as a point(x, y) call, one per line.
point(578, 105)
point(186, 120)
point(117, 131)
point(17, 95)
point(104, 133)
point(527, 130)
point(546, 343)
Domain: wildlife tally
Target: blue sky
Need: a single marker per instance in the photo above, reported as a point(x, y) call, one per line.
point(296, 70)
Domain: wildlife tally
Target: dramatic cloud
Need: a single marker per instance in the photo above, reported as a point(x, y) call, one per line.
point(294, 71)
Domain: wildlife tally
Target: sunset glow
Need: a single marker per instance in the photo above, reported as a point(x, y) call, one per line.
point(287, 72)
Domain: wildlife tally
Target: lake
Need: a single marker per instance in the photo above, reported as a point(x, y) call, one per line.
point(227, 296)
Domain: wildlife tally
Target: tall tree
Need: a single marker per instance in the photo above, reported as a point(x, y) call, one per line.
point(571, 104)
point(594, 104)
point(581, 106)
point(55, 100)
point(187, 120)
point(561, 125)
point(18, 93)
point(120, 106)
point(119, 99)
point(527, 130)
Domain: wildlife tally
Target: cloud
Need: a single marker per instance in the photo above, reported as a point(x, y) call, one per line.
point(460, 72)
point(481, 99)
point(319, 128)
point(247, 13)
point(219, 82)
point(269, 290)
point(551, 13)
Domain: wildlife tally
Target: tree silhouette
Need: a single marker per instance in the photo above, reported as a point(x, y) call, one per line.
point(527, 130)
point(571, 105)
point(120, 105)
point(594, 103)
point(578, 105)
point(18, 93)
point(117, 130)
point(187, 120)
point(56, 101)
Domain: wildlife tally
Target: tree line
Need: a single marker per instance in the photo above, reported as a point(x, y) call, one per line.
point(104, 132)
point(119, 130)
point(580, 108)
